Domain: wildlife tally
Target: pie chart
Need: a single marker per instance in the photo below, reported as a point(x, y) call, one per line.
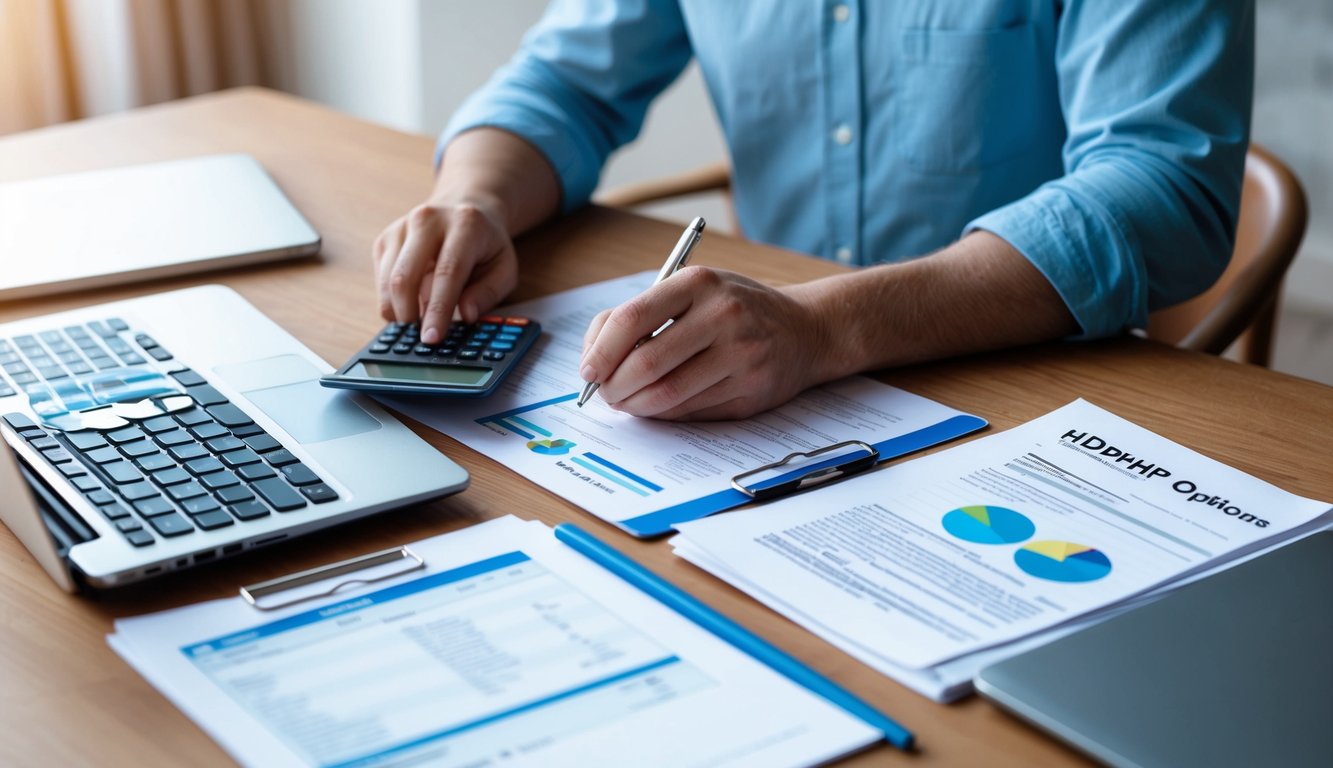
point(988, 525)
point(1062, 561)
point(557, 447)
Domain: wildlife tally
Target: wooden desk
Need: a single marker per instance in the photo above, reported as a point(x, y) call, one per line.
point(66, 699)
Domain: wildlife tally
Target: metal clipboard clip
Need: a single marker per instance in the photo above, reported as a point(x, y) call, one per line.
point(255, 593)
point(824, 465)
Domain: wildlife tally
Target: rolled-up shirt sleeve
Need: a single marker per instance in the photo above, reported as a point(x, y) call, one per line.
point(580, 85)
point(1156, 96)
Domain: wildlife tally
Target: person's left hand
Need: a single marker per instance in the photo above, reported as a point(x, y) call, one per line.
point(735, 348)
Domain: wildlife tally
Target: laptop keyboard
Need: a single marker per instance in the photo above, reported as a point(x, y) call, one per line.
point(205, 467)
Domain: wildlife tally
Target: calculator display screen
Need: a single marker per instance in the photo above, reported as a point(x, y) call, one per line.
point(457, 376)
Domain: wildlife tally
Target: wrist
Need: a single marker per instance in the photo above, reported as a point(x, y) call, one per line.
point(828, 318)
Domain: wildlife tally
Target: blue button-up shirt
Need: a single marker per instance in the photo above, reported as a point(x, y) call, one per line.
point(1103, 139)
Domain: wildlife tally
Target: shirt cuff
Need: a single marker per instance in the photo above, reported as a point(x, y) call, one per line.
point(1087, 255)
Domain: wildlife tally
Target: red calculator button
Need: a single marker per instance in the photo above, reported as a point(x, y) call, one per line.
point(520, 321)
point(491, 319)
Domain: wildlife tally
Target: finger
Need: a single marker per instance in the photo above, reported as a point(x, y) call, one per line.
point(467, 243)
point(686, 349)
point(491, 282)
point(420, 247)
point(681, 384)
point(594, 328)
point(387, 246)
point(640, 316)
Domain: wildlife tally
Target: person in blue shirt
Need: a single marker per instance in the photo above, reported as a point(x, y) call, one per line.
point(1007, 172)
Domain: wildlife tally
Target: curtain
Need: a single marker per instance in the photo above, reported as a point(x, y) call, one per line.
point(67, 59)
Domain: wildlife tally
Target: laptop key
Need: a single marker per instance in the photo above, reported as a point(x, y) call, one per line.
point(20, 422)
point(153, 462)
point(173, 438)
point(203, 465)
point(280, 457)
point(126, 523)
point(186, 490)
point(188, 452)
point(57, 455)
point(224, 444)
point(86, 483)
point(154, 506)
point(239, 458)
point(229, 415)
point(122, 472)
point(71, 469)
point(199, 505)
point(262, 443)
point(170, 525)
point(252, 472)
point(140, 448)
point(45, 443)
point(208, 430)
point(188, 378)
point(218, 480)
point(299, 474)
point(234, 494)
point(85, 441)
point(170, 476)
point(278, 494)
point(206, 395)
point(114, 511)
point(101, 496)
point(249, 510)
point(211, 521)
point(158, 424)
point(126, 435)
point(193, 417)
point(319, 493)
point(117, 324)
point(159, 354)
point(247, 430)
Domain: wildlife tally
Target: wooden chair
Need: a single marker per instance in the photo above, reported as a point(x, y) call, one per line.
point(1242, 304)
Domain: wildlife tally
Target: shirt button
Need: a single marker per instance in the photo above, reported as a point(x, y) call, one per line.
point(843, 134)
point(843, 255)
point(841, 12)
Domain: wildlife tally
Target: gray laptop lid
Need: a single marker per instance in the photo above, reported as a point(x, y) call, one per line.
point(1236, 669)
point(86, 230)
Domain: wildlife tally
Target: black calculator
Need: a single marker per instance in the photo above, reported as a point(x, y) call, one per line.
point(471, 361)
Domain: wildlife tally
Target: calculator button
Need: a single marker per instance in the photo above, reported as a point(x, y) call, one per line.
point(519, 321)
point(449, 351)
point(502, 346)
point(473, 344)
point(513, 330)
point(506, 337)
point(402, 348)
point(481, 336)
point(492, 319)
point(387, 338)
point(379, 349)
point(468, 354)
point(488, 327)
point(424, 349)
point(491, 354)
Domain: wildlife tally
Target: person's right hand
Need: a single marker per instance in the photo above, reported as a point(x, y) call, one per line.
point(442, 261)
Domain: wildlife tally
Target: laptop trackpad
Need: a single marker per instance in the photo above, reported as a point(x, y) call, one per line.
point(287, 389)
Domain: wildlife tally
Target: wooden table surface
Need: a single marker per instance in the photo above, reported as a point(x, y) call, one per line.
point(67, 699)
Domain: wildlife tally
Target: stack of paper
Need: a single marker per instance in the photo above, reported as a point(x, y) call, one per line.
point(930, 570)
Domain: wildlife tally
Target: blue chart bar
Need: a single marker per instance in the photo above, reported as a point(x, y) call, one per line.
point(529, 426)
point(594, 457)
point(524, 409)
point(618, 480)
point(523, 433)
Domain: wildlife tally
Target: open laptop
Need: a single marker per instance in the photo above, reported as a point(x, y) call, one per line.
point(154, 434)
point(144, 221)
point(1232, 670)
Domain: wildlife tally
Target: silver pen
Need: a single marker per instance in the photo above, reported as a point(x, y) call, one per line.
point(679, 256)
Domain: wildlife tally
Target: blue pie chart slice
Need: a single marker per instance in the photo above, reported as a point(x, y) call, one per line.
point(982, 524)
point(1062, 561)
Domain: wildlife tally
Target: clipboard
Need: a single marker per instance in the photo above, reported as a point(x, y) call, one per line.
point(749, 486)
point(401, 561)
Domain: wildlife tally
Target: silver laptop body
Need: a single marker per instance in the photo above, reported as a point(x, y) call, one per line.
point(166, 431)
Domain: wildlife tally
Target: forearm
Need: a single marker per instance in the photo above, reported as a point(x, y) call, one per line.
point(501, 172)
point(977, 294)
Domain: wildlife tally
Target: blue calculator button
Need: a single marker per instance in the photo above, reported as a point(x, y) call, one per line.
point(473, 344)
point(481, 336)
point(506, 337)
point(502, 346)
point(511, 329)
point(468, 354)
point(488, 327)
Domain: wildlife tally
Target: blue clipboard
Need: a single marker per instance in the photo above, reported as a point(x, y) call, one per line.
point(731, 632)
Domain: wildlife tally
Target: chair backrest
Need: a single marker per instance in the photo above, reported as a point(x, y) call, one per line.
point(1272, 222)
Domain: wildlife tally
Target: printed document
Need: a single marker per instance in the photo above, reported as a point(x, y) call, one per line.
point(644, 474)
point(510, 649)
point(923, 566)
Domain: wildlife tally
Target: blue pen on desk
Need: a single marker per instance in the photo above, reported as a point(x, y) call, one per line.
point(726, 629)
